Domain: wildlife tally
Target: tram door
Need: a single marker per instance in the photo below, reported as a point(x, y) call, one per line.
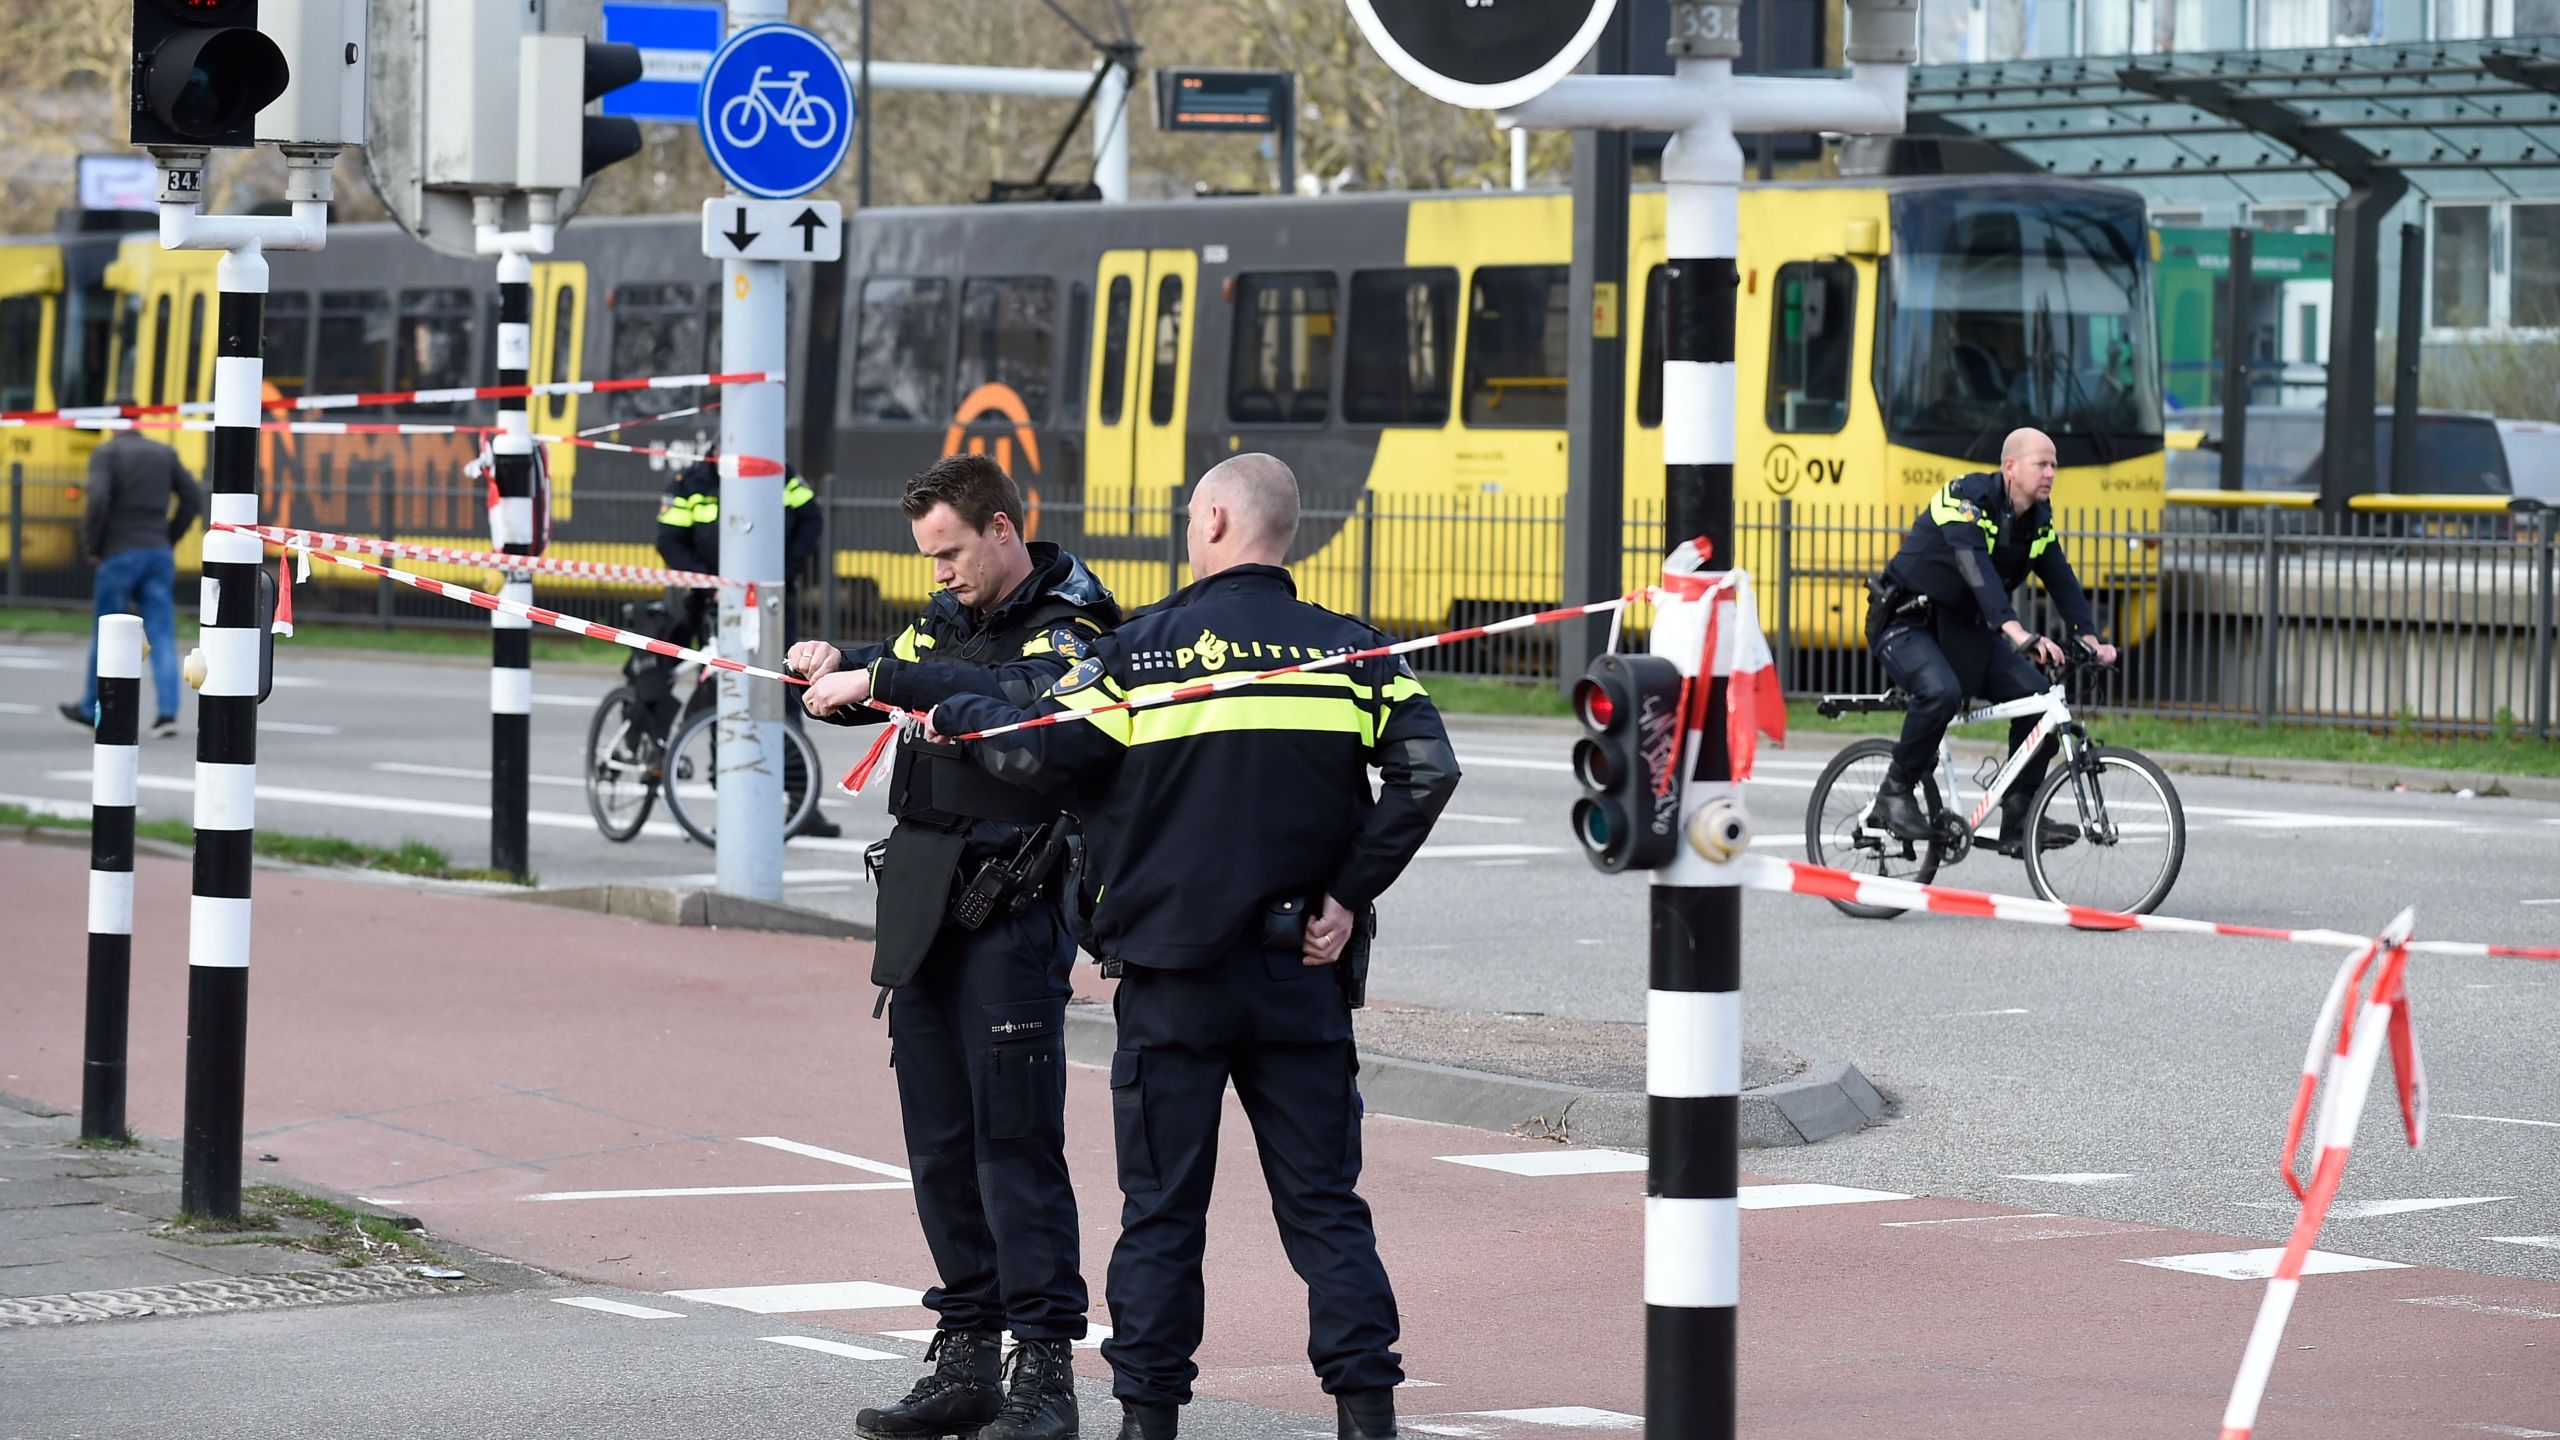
point(1141, 394)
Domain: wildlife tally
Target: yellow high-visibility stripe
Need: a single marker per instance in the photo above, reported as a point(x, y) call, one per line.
point(909, 642)
point(1243, 710)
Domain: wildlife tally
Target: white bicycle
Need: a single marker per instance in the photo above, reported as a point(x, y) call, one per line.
point(787, 103)
point(2110, 830)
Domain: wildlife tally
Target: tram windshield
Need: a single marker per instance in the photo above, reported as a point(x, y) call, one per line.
point(2011, 308)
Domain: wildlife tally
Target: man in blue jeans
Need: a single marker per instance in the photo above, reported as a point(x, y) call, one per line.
point(131, 536)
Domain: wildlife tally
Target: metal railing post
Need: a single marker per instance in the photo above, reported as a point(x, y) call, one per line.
point(2271, 593)
point(830, 586)
point(1368, 557)
point(2548, 551)
point(17, 529)
point(384, 522)
point(1786, 590)
point(1175, 524)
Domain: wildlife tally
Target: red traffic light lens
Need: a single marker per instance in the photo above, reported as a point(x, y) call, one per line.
point(1593, 702)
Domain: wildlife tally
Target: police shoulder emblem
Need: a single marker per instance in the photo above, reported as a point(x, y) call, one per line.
point(1086, 671)
point(1069, 644)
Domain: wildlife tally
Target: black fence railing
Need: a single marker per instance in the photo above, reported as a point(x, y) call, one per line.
point(2437, 623)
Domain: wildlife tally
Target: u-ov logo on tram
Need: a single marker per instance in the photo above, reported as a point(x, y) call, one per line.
point(996, 401)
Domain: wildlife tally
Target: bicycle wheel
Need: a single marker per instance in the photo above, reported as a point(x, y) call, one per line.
point(693, 777)
point(2132, 833)
point(1836, 833)
point(622, 765)
point(743, 106)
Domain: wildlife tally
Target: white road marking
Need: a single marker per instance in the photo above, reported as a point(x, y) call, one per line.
point(1497, 864)
point(391, 805)
point(2501, 1119)
point(1972, 1219)
point(671, 1194)
point(1464, 819)
point(12, 707)
point(2520, 902)
point(1563, 1417)
point(1794, 1197)
point(2478, 1306)
point(28, 662)
point(1481, 761)
point(2260, 1264)
point(2305, 820)
point(1974, 1014)
point(580, 702)
point(1094, 1335)
point(1483, 852)
point(1555, 1162)
point(2515, 1432)
point(804, 1299)
point(832, 1347)
point(299, 682)
point(2539, 1242)
point(2372, 1209)
point(67, 809)
point(701, 878)
point(296, 727)
point(460, 772)
point(615, 1307)
point(2076, 1177)
point(832, 1157)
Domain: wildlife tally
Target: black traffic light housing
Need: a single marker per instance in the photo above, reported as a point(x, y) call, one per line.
point(606, 139)
point(1628, 761)
point(201, 72)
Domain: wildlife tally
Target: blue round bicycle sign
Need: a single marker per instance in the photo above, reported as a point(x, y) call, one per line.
point(777, 113)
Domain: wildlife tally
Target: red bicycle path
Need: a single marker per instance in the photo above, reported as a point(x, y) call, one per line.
point(451, 1055)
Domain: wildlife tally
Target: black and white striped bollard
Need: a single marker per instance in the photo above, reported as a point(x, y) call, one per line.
point(114, 769)
point(511, 636)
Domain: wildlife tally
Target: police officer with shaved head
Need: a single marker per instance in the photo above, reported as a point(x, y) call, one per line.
point(1940, 621)
point(1237, 850)
point(973, 951)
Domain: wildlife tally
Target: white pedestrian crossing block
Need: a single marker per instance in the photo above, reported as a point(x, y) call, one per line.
point(1794, 1197)
point(805, 1299)
point(2076, 1177)
point(2261, 1264)
point(1094, 1335)
point(832, 1347)
point(1556, 1162)
point(615, 1307)
point(1564, 1417)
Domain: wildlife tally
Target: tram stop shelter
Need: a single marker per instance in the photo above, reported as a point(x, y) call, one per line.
point(2358, 127)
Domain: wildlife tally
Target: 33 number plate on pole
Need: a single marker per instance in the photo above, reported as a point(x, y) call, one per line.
point(1483, 54)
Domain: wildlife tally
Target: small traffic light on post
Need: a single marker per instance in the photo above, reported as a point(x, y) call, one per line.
point(558, 76)
point(201, 72)
point(1628, 761)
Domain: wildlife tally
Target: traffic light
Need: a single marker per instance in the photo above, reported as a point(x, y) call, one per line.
point(201, 72)
point(558, 144)
point(1628, 761)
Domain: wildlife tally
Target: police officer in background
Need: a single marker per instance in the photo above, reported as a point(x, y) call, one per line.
point(1236, 852)
point(973, 952)
point(689, 539)
point(1941, 623)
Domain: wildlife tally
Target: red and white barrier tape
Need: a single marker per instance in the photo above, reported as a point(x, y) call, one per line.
point(1765, 872)
point(535, 613)
point(747, 465)
point(2382, 1014)
point(488, 559)
point(386, 398)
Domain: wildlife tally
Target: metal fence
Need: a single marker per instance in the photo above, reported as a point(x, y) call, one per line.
point(2436, 623)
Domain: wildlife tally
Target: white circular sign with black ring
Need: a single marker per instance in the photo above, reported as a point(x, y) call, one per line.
point(1483, 54)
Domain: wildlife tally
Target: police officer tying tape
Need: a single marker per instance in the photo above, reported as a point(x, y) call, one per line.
point(972, 956)
point(1940, 621)
point(1237, 850)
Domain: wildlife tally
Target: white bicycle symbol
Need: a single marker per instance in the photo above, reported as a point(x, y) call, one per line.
point(811, 120)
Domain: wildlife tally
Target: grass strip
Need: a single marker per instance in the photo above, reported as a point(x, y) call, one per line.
point(411, 857)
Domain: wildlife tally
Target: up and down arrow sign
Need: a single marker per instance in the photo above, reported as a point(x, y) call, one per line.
point(741, 229)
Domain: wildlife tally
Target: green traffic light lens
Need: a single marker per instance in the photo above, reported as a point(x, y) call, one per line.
point(1592, 822)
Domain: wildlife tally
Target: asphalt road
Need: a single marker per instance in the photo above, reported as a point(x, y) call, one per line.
point(2154, 1071)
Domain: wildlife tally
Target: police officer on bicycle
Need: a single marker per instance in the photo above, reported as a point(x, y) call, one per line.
point(1940, 621)
point(1236, 852)
point(973, 953)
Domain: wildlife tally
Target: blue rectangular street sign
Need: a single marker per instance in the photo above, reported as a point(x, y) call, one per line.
point(676, 45)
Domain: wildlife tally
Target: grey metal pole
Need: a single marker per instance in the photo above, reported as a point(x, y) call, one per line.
point(1595, 374)
point(114, 773)
point(2404, 372)
point(511, 636)
point(2548, 523)
point(752, 337)
point(862, 112)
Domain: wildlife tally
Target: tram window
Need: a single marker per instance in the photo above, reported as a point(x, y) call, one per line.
point(194, 350)
point(902, 354)
point(287, 346)
point(1168, 351)
point(1649, 351)
point(1007, 329)
point(564, 346)
point(159, 353)
point(657, 330)
point(1282, 371)
point(21, 350)
point(1115, 349)
point(355, 342)
point(128, 348)
point(88, 328)
point(434, 348)
point(1079, 335)
point(1396, 366)
point(1516, 332)
point(1811, 325)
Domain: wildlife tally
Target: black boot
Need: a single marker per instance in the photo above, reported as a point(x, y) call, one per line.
point(1148, 1422)
point(1897, 810)
point(958, 1397)
point(1040, 1395)
point(2050, 834)
point(1365, 1415)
